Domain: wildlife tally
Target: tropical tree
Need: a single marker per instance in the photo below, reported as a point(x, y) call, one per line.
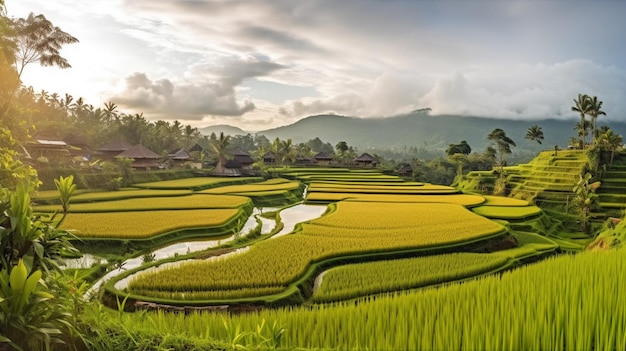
point(341, 147)
point(461, 148)
point(459, 160)
point(582, 105)
point(610, 141)
point(585, 200)
point(38, 40)
point(534, 134)
point(287, 151)
point(220, 147)
point(503, 143)
point(595, 111)
point(582, 130)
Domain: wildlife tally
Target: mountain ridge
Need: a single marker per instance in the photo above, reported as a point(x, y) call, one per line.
point(423, 130)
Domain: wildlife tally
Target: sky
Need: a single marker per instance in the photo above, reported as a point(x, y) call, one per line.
point(260, 64)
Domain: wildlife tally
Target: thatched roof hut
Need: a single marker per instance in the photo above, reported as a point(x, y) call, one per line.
point(366, 160)
point(143, 158)
point(113, 148)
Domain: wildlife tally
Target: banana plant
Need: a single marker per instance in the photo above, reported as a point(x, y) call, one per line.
point(28, 315)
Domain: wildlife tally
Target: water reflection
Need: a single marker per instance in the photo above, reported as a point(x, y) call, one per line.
point(289, 216)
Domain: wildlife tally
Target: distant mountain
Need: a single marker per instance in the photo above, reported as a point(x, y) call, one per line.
point(222, 128)
point(422, 130)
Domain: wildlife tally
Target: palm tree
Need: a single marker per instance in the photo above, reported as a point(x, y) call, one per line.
point(110, 111)
point(582, 130)
point(610, 141)
point(595, 110)
point(220, 146)
point(534, 133)
point(503, 143)
point(582, 105)
point(287, 151)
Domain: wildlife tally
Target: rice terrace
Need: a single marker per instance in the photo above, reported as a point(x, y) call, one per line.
point(493, 219)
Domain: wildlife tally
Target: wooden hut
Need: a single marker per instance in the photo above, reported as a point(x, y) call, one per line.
point(405, 170)
point(113, 148)
point(366, 160)
point(244, 158)
point(323, 158)
point(269, 158)
point(143, 158)
point(178, 157)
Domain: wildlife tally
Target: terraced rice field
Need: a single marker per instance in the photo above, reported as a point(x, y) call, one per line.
point(174, 203)
point(143, 224)
point(507, 212)
point(351, 281)
point(197, 183)
point(52, 196)
point(354, 228)
point(273, 186)
point(461, 199)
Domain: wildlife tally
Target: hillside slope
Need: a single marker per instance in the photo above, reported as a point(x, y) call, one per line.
point(422, 130)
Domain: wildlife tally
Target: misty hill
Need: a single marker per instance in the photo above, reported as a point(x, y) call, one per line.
point(219, 128)
point(422, 130)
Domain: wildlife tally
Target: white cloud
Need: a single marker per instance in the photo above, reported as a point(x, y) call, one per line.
point(513, 59)
point(528, 91)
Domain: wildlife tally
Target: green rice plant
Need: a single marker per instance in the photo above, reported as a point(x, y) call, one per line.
point(461, 199)
point(224, 294)
point(143, 224)
point(155, 203)
point(350, 281)
point(353, 228)
point(197, 183)
point(401, 188)
point(270, 185)
point(569, 302)
point(504, 201)
point(92, 196)
point(507, 212)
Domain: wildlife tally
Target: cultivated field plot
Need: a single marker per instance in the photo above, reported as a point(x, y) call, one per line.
point(197, 183)
point(188, 202)
point(507, 212)
point(143, 224)
point(461, 199)
point(559, 304)
point(384, 188)
point(353, 229)
point(274, 186)
point(52, 196)
point(350, 281)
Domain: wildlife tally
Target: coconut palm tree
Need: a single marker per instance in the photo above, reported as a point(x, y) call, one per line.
point(220, 147)
point(287, 151)
point(611, 142)
point(582, 130)
point(595, 111)
point(534, 133)
point(582, 105)
point(503, 143)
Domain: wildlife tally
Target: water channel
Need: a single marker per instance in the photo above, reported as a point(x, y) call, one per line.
point(290, 217)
